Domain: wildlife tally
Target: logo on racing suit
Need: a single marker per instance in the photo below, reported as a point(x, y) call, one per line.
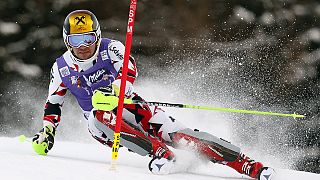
point(74, 79)
point(116, 52)
point(98, 76)
point(104, 55)
point(64, 71)
point(94, 77)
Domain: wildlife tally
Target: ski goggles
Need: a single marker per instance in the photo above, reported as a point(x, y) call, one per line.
point(77, 40)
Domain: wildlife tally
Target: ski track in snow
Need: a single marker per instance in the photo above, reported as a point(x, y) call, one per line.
point(69, 160)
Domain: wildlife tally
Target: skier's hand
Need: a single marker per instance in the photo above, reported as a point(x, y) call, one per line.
point(105, 98)
point(43, 141)
point(106, 91)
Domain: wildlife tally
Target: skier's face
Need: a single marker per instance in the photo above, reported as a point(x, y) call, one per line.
point(84, 52)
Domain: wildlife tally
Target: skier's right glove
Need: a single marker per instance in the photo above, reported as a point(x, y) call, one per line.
point(43, 141)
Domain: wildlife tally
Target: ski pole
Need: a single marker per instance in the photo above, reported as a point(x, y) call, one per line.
point(116, 135)
point(164, 104)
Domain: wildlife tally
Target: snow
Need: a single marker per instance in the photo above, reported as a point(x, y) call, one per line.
point(267, 18)
point(83, 161)
point(87, 159)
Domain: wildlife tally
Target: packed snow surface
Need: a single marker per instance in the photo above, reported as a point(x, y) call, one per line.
point(83, 161)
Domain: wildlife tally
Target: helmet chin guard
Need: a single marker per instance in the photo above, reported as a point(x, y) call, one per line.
point(81, 22)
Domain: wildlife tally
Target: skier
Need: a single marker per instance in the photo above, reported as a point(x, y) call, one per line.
point(91, 69)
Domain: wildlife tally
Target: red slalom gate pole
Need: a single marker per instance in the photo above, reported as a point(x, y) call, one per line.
point(116, 136)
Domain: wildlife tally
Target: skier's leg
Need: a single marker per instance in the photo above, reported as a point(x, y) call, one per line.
point(97, 134)
point(218, 150)
point(215, 149)
point(157, 123)
point(102, 126)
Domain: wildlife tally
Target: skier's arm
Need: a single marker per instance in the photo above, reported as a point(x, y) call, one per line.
point(43, 141)
point(57, 92)
point(116, 51)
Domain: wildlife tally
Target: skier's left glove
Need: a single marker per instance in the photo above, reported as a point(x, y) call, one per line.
point(105, 98)
point(43, 141)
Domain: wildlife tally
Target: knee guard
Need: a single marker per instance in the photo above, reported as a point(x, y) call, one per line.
point(216, 149)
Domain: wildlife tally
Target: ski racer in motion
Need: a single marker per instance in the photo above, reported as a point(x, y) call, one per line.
point(91, 70)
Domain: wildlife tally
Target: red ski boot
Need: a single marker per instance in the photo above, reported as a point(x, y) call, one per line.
point(218, 150)
point(163, 158)
point(160, 150)
point(244, 165)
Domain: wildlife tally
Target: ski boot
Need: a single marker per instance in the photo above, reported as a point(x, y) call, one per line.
point(163, 158)
point(247, 166)
point(218, 150)
point(266, 173)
